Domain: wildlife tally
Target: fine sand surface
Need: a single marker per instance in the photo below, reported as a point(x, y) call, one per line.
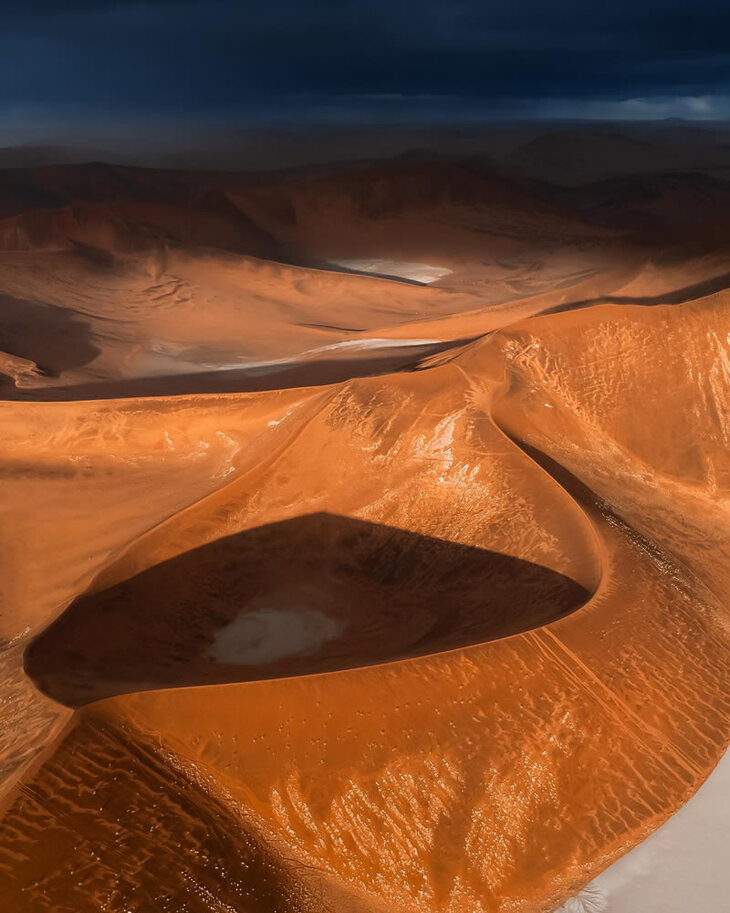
point(335, 592)
point(682, 866)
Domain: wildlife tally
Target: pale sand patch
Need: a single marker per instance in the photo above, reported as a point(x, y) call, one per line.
point(403, 269)
point(265, 635)
point(681, 868)
point(589, 900)
point(163, 360)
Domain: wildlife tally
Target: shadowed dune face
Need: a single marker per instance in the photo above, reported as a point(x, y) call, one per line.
point(53, 338)
point(312, 594)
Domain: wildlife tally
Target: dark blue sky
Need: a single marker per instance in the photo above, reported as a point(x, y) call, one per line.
point(326, 58)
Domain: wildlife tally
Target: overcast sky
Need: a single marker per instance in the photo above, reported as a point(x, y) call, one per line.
point(360, 59)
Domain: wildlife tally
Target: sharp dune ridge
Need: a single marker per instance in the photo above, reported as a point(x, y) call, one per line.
point(437, 628)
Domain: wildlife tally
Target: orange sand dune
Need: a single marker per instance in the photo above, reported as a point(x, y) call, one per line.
point(129, 273)
point(445, 639)
point(133, 274)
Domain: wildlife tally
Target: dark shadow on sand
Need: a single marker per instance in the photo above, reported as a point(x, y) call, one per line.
point(52, 337)
point(379, 593)
point(678, 296)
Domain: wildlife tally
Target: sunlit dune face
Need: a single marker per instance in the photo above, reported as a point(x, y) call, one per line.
point(312, 594)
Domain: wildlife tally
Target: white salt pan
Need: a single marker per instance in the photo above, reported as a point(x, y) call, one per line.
point(403, 269)
point(265, 635)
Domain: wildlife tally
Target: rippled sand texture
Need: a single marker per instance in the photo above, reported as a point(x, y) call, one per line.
point(514, 568)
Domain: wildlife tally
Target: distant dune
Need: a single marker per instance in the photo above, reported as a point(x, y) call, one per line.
point(365, 534)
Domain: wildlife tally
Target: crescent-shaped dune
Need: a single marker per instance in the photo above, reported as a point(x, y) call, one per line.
point(444, 631)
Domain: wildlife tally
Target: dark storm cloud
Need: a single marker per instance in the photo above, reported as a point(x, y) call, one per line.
point(183, 55)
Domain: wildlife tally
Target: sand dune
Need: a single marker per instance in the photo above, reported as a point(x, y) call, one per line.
point(431, 616)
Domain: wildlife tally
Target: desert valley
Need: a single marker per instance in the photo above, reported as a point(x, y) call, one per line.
point(366, 529)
